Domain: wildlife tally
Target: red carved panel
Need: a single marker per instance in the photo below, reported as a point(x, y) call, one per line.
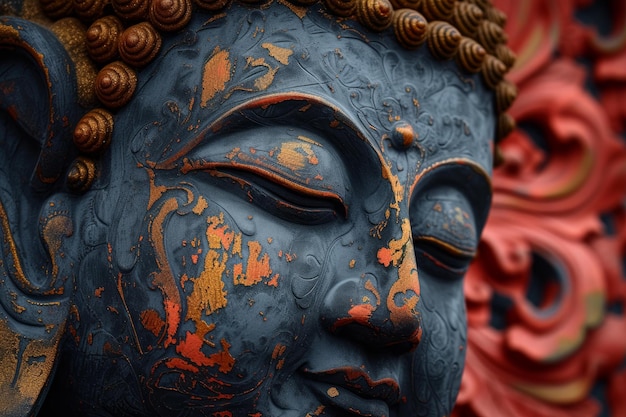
point(546, 294)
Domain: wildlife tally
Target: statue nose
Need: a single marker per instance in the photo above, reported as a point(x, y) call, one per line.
point(379, 310)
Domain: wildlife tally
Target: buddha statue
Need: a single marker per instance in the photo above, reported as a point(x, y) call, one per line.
point(240, 208)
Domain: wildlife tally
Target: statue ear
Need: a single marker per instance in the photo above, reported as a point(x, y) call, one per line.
point(38, 108)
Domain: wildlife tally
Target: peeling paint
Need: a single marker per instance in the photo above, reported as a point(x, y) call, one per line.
point(215, 76)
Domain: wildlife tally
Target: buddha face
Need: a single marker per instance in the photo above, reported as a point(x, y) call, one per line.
point(282, 226)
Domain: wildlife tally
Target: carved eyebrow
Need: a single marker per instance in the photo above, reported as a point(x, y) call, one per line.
point(282, 109)
point(454, 164)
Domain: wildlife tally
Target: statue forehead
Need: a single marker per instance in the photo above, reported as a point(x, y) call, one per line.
point(220, 64)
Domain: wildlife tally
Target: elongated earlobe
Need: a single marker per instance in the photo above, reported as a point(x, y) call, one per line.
point(37, 112)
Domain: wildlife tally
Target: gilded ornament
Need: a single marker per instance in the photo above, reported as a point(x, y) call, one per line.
point(438, 9)
point(139, 44)
point(103, 38)
point(89, 9)
point(81, 175)
point(376, 15)
point(443, 39)
point(410, 27)
point(93, 131)
point(170, 15)
point(342, 8)
point(466, 18)
point(471, 55)
point(115, 84)
point(131, 9)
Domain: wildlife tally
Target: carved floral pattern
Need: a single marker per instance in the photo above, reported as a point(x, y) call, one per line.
point(545, 295)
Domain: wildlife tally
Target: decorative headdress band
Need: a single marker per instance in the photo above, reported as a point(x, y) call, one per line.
point(124, 36)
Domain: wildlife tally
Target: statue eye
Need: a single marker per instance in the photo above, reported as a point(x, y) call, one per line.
point(287, 173)
point(285, 199)
point(448, 210)
point(438, 255)
point(444, 234)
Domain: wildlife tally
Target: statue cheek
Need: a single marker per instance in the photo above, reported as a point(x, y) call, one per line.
point(309, 253)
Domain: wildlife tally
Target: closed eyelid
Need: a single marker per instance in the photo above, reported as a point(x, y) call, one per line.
point(464, 176)
point(449, 208)
point(287, 159)
point(287, 109)
point(312, 136)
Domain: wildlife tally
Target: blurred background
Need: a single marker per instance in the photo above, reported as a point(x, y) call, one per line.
point(547, 291)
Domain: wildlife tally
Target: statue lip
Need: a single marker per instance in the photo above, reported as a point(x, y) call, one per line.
point(356, 382)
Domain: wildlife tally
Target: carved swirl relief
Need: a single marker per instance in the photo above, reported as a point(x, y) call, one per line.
point(545, 294)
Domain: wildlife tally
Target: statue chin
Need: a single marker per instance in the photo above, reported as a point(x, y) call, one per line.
point(279, 227)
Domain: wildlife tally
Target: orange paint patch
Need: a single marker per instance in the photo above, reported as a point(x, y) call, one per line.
point(279, 54)
point(400, 254)
point(215, 76)
point(237, 246)
point(110, 252)
point(98, 292)
point(183, 279)
point(295, 155)
point(274, 281)
point(162, 277)
point(278, 351)
point(258, 266)
point(218, 234)
point(361, 313)
point(223, 358)
point(238, 273)
point(172, 310)
point(200, 206)
point(178, 363)
point(265, 80)
point(190, 349)
point(385, 256)
point(152, 321)
point(332, 392)
point(202, 328)
point(208, 293)
point(289, 157)
point(371, 287)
